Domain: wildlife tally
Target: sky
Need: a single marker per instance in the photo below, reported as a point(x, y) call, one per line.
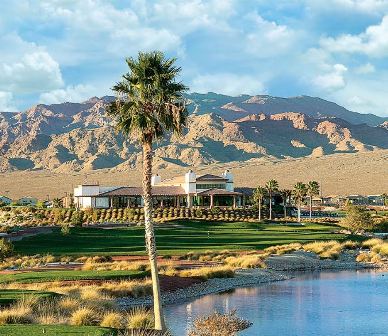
point(54, 51)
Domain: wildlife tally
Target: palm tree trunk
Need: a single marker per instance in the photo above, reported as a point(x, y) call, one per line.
point(270, 206)
point(299, 211)
point(311, 207)
point(150, 235)
point(260, 210)
point(285, 209)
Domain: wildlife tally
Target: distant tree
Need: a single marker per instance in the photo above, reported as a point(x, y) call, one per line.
point(271, 186)
point(299, 193)
point(357, 219)
point(258, 196)
point(65, 228)
point(312, 190)
point(57, 203)
point(286, 195)
point(41, 204)
point(385, 199)
point(150, 105)
point(6, 248)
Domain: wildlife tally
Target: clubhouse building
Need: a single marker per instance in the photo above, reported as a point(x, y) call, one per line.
point(188, 190)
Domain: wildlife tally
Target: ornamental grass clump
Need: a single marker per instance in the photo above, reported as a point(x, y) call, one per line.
point(112, 320)
point(83, 317)
point(282, 249)
point(218, 324)
point(247, 261)
point(372, 242)
point(139, 318)
point(208, 272)
point(326, 250)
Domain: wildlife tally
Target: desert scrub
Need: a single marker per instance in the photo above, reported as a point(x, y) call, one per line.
point(369, 257)
point(350, 245)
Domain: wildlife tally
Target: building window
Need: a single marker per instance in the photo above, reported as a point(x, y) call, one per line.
point(211, 186)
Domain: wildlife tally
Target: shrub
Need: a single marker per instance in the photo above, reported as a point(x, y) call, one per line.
point(77, 218)
point(327, 250)
point(219, 324)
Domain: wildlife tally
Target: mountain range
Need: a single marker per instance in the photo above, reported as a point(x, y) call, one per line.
point(222, 129)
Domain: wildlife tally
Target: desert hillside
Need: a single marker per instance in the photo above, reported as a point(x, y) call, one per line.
point(79, 137)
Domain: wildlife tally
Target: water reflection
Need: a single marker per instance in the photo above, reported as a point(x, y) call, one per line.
point(327, 303)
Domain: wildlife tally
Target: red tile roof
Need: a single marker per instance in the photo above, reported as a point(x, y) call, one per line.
point(210, 177)
point(138, 191)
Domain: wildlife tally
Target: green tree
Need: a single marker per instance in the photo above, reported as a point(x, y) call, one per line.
point(312, 190)
point(286, 195)
point(6, 248)
point(77, 218)
point(149, 104)
point(271, 186)
point(299, 193)
point(357, 219)
point(258, 197)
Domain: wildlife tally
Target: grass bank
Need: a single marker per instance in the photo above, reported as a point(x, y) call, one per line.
point(55, 330)
point(177, 237)
point(71, 275)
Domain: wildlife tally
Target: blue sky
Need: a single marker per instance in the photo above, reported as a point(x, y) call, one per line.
point(69, 50)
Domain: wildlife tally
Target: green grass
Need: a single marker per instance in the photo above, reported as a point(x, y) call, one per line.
point(44, 276)
point(189, 235)
point(8, 296)
point(54, 330)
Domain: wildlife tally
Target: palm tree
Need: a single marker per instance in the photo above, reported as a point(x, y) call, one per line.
point(57, 203)
point(286, 195)
point(299, 193)
point(385, 199)
point(312, 190)
point(149, 105)
point(258, 196)
point(271, 186)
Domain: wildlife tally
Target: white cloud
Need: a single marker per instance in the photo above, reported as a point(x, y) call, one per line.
point(6, 104)
point(332, 80)
point(227, 83)
point(363, 6)
point(365, 69)
point(268, 38)
point(34, 72)
point(372, 42)
point(76, 93)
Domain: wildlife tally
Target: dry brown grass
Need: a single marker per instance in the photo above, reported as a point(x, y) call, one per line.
point(139, 318)
point(247, 261)
point(112, 320)
point(83, 316)
point(372, 242)
point(326, 250)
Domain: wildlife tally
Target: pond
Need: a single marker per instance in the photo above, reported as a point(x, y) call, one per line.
point(324, 303)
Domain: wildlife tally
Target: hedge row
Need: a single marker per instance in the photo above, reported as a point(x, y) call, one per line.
point(38, 217)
